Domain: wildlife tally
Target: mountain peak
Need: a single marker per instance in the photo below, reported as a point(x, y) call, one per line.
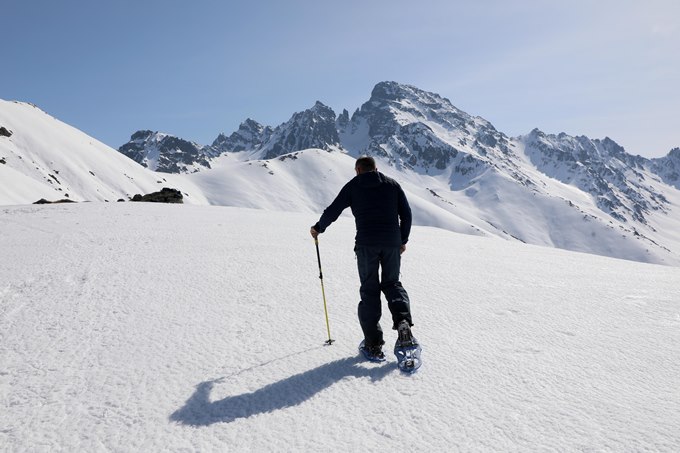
point(249, 136)
point(141, 135)
point(166, 153)
point(387, 91)
point(394, 91)
point(250, 123)
point(319, 108)
point(311, 128)
point(414, 128)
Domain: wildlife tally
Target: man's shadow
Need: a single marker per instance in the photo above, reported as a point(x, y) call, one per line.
point(292, 391)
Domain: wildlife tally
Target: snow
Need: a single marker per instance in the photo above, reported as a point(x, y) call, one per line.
point(43, 148)
point(45, 158)
point(146, 327)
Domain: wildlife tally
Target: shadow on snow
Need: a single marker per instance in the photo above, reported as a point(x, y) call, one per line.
point(292, 391)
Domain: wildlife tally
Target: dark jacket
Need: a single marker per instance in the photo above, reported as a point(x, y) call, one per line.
point(381, 210)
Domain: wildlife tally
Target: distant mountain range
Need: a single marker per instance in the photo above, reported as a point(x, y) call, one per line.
point(460, 173)
point(409, 126)
point(423, 132)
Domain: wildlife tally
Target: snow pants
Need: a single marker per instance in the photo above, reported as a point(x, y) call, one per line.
point(379, 272)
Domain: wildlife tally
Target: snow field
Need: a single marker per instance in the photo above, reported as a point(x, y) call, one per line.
point(142, 327)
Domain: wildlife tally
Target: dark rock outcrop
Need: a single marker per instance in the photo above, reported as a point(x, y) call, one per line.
point(44, 201)
point(166, 195)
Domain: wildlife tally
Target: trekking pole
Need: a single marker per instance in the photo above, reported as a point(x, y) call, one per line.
point(323, 293)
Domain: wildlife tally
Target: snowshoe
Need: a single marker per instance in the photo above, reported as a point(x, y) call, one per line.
point(406, 349)
point(372, 353)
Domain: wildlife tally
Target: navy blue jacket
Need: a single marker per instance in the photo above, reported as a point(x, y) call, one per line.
point(381, 210)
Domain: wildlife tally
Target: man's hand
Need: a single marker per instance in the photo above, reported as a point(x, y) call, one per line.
point(402, 249)
point(313, 232)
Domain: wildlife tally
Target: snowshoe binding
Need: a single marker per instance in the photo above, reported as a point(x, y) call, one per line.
point(372, 353)
point(407, 349)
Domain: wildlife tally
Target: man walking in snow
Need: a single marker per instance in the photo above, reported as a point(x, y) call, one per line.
point(383, 222)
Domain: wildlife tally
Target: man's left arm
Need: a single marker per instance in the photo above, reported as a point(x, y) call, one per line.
point(332, 212)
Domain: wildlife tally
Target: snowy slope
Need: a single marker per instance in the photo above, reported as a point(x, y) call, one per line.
point(493, 205)
point(46, 158)
point(143, 327)
point(508, 196)
point(574, 193)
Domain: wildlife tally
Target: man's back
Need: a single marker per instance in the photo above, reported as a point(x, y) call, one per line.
point(378, 204)
point(380, 208)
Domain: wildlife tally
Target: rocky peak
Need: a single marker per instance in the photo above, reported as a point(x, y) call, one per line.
point(343, 121)
point(415, 128)
point(395, 92)
point(311, 128)
point(250, 135)
point(166, 153)
point(668, 167)
point(141, 135)
point(601, 168)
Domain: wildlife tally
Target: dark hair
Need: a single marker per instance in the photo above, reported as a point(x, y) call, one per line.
point(365, 163)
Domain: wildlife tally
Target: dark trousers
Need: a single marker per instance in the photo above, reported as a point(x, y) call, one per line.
point(370, 261)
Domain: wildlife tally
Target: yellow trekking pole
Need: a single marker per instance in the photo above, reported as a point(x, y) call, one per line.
point(323, 293)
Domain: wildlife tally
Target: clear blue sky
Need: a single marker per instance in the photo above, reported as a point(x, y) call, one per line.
point(195, 69)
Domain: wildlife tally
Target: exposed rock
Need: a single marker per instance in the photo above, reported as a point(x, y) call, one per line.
point(5, 132)
point(166, 195)
point(63, 200)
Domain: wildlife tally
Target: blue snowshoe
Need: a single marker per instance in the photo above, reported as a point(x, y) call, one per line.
point(372, 353)
point(407, 349)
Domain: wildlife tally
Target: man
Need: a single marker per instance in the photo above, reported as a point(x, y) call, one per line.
point(383, 222)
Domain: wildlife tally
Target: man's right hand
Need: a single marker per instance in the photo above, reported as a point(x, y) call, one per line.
point(313, 232)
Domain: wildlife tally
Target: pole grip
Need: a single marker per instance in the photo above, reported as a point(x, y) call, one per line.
point(318, 257)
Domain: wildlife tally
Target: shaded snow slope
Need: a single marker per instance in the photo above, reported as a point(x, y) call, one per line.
point(143, 327)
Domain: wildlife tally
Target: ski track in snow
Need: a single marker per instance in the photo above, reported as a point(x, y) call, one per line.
point(139, 327)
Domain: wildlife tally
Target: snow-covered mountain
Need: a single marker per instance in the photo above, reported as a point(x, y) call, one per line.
point(164, 328)
point(569, 192)
point(620, 184)
point(46, 158)
point(311, 128)
point(668, 168)
point(249, 137)
point(415, 129)
point(166, 153)
point(460, 173)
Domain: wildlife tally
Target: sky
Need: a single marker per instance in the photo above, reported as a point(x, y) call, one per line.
point(605, 68)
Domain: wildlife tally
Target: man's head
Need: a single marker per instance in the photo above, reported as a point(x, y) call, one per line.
point(365, 164)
